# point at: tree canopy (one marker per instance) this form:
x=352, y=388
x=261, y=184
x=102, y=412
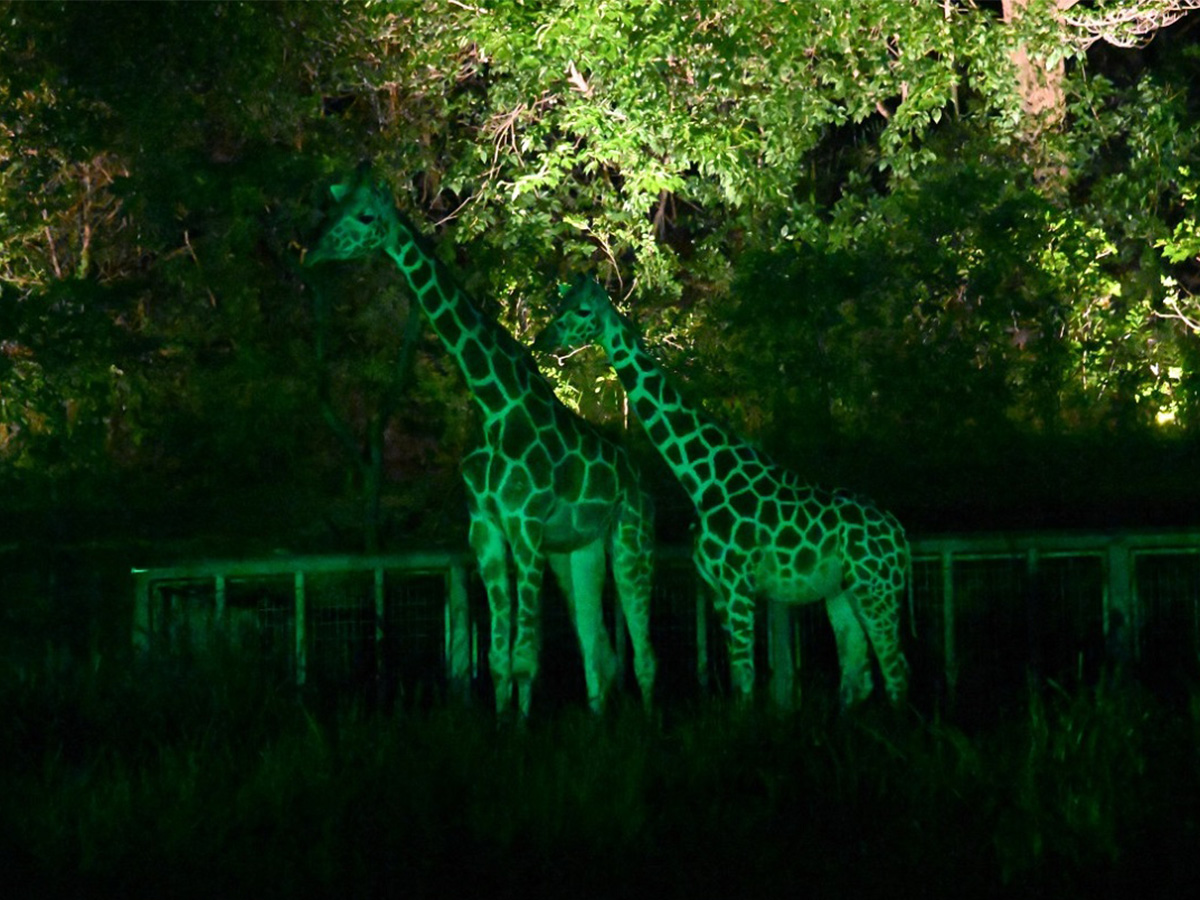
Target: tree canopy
x=926, y=249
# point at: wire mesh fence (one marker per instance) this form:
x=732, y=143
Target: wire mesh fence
x=983, y=615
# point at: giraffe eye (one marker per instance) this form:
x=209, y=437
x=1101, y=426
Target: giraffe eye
x=366, y=218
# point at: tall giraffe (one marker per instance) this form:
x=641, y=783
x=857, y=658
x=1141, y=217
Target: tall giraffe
x=544, y=486
x=761, y=531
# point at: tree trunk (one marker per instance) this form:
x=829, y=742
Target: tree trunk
x=1043, y=103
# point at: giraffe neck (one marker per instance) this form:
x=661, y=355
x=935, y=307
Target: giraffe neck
x=494, y=363
x=688, y=440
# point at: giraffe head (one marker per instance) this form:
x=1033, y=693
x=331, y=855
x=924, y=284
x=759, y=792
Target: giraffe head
x=582, y=313
x=362, y=221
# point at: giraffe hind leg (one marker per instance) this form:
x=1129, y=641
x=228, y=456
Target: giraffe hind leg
x=882, y=621
x=738, y=611
x=581, y=576
x=853, y=658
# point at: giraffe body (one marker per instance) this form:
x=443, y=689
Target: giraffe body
x=762, y=532
x=544, y=487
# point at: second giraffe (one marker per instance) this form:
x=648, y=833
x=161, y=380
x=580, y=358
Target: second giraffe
x=761, y=531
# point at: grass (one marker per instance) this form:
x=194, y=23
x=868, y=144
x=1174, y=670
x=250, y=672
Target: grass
x=182, y=778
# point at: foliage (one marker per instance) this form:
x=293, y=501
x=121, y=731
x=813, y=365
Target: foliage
x=828, y=213
x=154, y=780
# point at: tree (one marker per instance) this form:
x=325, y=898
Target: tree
x=145, y=258
x=870, y=175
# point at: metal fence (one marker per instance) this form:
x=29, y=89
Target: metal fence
x=986, y=612
x=375, y=623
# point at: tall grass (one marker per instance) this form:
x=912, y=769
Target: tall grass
x=201, y=777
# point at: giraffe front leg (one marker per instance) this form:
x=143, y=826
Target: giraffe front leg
x=734, y=606
x=632, y=557
x=529, y=562
x=857, y=683
x=491, y=553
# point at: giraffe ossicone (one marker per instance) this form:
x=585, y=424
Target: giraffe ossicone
x=544, y=487
x=761, y=531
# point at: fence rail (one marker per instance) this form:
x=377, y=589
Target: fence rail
x=984, y=609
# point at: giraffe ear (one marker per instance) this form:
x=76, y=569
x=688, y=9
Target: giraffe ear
x=339, y=191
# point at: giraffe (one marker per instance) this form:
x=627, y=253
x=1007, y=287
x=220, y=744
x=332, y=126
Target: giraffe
x=762, y=532
x=544, y=486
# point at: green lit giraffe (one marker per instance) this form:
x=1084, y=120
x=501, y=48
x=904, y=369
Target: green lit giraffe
x=761, y=531
x=544, y=486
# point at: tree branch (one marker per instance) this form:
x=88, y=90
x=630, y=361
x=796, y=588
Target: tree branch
x=1129, y=24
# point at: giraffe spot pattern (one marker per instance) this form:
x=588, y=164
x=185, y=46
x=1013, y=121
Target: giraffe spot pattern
x=693, y=447
x=552, y=440
x=446, y=323
x=744, y=504
x=570, y=474
x=679, y=421
x=737, y=483
x=658, y=431
x=651, y=380
x=724, y=464
x=850, y=513
x=422, y=274
x=601, y=481
x=490, y=394
x=768, y=512
x=644, y=408
x=719, y=521
x=475, y=362
x=537, y=459
x=789, y=537
x=828, y=545
x=518, y=434
x=410, y=258
x=674, y=454
x=745, y=533
x=712, y=496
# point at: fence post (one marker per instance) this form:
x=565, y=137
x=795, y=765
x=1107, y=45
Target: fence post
x=141, y=609
x=1121, y=613
x=1035, y=623
x=380, y=633
x=458, y=632
x=948, y=645
x=301, y=645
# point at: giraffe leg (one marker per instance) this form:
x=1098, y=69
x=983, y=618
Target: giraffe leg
x=881, y=617
x=739, y=614
x=529, y=561
x=581, y=575
x=733, y=603
x=492, y=555
x=852, y=649
x=632, y=546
